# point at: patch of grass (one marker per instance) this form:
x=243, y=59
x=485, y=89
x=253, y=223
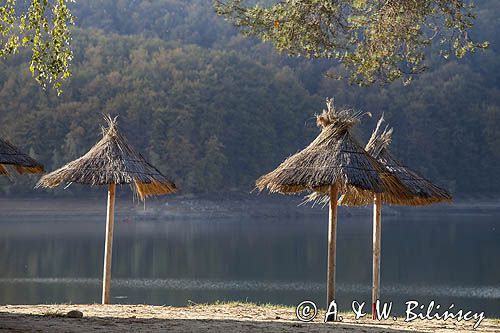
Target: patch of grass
x=54, y=314
x=240, y=303
x=261, y=305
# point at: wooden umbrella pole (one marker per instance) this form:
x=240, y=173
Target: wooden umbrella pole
x=377, y=209
x=108, y=249
x=332, y=244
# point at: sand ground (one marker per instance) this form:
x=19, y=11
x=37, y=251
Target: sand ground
x=204, y=318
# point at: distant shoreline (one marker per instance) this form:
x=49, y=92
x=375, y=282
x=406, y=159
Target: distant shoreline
x=220, y=206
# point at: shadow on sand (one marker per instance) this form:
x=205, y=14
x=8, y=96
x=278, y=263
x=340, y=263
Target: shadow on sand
x=11, y=322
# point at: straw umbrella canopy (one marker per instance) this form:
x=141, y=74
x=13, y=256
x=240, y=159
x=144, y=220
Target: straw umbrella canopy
x=333, y=163
x=21, y=162
x=111, y=161
x=423, y=192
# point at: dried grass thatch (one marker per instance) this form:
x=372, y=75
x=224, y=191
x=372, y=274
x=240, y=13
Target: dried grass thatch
x=112, y=160
x=423, y=192
x=334, y=158
x=10, y=156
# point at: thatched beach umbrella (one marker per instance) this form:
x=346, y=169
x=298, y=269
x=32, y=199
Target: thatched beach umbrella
x=333, y=163
x=111, y=161
x=422, y=193
x=12, y=156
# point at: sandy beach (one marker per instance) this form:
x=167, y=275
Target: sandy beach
x=203, y=318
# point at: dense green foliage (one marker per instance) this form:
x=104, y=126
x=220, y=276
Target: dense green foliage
x=376, y=41
x=206, y=118
x=42, y=26
x=214, y=110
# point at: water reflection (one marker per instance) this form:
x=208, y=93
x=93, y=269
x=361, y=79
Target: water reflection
x=450, y=258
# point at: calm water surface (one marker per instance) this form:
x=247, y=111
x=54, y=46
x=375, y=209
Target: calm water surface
x=446, y=257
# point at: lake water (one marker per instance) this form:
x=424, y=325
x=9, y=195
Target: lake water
x=52, y=257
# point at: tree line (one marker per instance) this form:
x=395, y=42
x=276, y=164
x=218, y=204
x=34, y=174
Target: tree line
x=213, y=110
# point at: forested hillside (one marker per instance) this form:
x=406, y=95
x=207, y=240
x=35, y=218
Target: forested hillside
x=214, y=110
